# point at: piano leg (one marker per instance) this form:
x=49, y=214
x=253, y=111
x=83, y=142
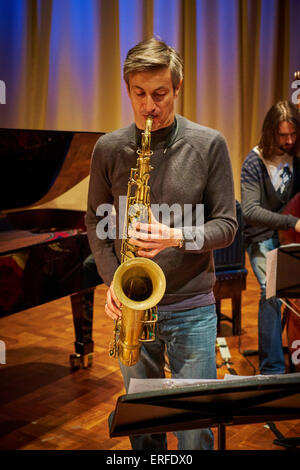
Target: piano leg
x=82, y=309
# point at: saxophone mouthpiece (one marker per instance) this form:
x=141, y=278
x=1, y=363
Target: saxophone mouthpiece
x=148, y=124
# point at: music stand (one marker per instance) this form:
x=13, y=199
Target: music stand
x=283, y=268
x=220, y=403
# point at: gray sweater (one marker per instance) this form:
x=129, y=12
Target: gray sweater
x=194, y=169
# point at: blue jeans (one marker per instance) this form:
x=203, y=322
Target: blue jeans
x=189, y=338
x=271, y=357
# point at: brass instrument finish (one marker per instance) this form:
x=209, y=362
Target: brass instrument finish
x=139, y=283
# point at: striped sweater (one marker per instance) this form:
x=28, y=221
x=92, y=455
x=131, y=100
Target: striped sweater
x=261, y=204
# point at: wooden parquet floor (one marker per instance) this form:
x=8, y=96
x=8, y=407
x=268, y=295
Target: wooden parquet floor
x=45, y=406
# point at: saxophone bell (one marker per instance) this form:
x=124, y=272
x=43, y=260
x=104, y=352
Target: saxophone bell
x=139, y=284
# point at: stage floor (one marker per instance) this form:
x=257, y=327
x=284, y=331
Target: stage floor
x=45, y=406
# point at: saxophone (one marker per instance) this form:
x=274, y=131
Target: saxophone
x=139, y=283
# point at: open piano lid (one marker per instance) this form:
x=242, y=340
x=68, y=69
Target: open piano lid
x=38, y=167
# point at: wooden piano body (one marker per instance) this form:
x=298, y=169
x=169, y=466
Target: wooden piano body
x=43, y=241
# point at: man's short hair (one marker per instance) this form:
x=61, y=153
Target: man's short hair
x=152, y=54
x=279, y=112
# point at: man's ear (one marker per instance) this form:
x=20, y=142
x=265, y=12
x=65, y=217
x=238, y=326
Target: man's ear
x=177, y=89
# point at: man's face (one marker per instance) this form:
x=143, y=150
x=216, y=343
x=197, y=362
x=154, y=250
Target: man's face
x=286, y=137
x=152, y=93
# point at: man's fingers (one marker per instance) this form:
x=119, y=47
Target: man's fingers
x=112, y=305
x=148, y=254
x=140, y=230
x=113, y=296
x=144, y=244
x=110, y=312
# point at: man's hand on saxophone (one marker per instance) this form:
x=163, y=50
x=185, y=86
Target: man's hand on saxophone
x=151, y=239
x=112, y=306
x=154, y=237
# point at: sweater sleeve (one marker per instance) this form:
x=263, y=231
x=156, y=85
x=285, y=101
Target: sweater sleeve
x=220, y=224
x=100, y=197
x=253, y=212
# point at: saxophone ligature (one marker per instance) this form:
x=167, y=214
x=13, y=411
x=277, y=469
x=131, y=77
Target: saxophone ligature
x=139, y=283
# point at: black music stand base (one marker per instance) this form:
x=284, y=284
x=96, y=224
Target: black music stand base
x=290, y=443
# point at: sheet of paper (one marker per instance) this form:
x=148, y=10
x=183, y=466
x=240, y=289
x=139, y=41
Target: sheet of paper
x=258, y=376
x=283, y=268
x=271, y=274
x=150, y=385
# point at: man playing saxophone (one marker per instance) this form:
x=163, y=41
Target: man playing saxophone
x=190, y=168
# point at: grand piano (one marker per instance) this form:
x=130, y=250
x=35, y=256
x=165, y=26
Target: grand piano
x=43, y=240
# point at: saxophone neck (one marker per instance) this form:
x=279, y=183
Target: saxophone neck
x=146, y=136
x=149, y=122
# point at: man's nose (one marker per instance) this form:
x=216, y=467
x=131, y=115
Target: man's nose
x=149, y=104
x=290, y=139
